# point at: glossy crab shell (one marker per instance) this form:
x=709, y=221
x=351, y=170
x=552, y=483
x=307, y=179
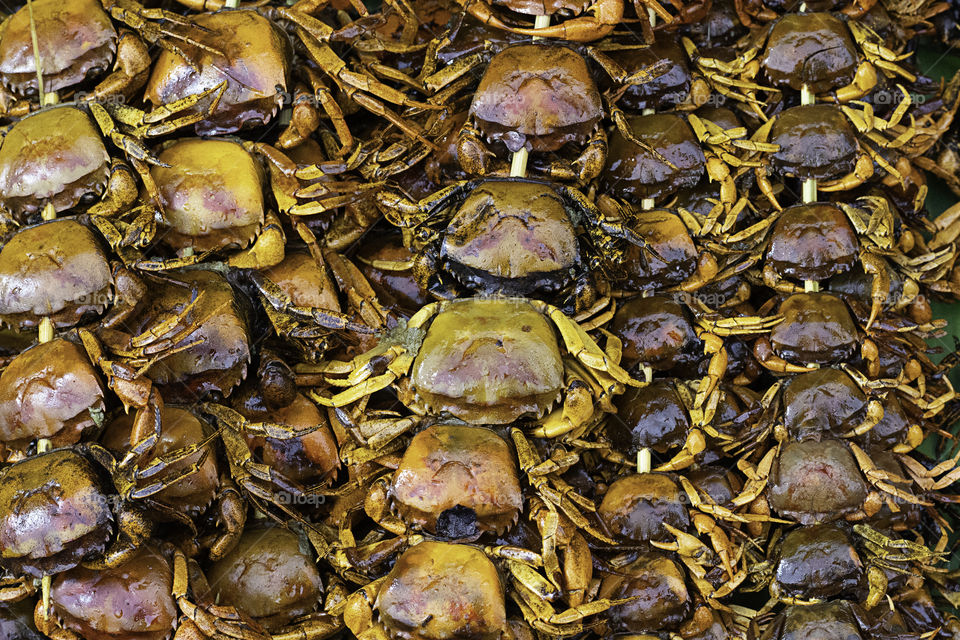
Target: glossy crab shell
x=256, y=61
x=511, y=236
x=446, y=466
x=538, y=97
x=268, y=576
x=53, y=513
x=56, y=270
x=814, y=482
x=74, y=40
x=818, y=561
x=49, y=391
x=489, y=361
x=660, y=597
x=634, y=173
x=212, y=194
x=443, y=591
x=653, y=416
x=813, y=49
x=54, y=156
x=635, y=507
x=816, y=141
x=130, y=602
x=812, y=242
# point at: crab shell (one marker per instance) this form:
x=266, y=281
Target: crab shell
x=538, y=97
x=634, y=173
x=817, y=328
x=653, y=417
x=656, y=331
x=212, y=194
x=488, y=361
x=443, y=591
x=255, y=65
x=179, y=428
x=669, y=88
x=267, y=576
x=813, y=49
x=446, y=466
x=52, y=513
x=511, y=237
x=312, y=458
x=54, y=156
x=56, y=270
x=217, y=364
x=816, y=141
x=660, y=599
x=395, y=289
x=75, y=40
x=665, y=232
x=825, y=401
x=815, y=482
x=49, y=391
x=812, y=242
x=130, y=602
x=818, y=562
x=636, y=507
x=819, y=621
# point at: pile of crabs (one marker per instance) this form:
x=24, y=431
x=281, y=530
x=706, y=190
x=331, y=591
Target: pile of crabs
x=477, y=319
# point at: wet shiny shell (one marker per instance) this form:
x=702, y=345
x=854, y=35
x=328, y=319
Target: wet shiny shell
x=817, y=328
x=55, y=155
x=656, y=331
x=396, y=289
x=255, y=63
x=130, y=602
x=446, y=466
x=816, y=141
x=269, y=576
x=634, y=173
x=513, y=237
x=212, y=194
x=52, y=513
x=74, y=40
x=180, y=428
x=312, y=458
x=306, y=284
x=812, y=242
x=537, y=96
x=56, y=270
x=822, y=403
x=636, y=507
x=49, y=391
x=813, y=49
x=649, y=417
x=219, y=362
x=667, y=235
x=818, y=562
x=815, y=482
x=661, y=600
x=443, y=591
x=489, y=362
x=669, y=88
x=827, y=621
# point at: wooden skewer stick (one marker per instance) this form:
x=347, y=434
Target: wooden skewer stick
x=518, y=163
